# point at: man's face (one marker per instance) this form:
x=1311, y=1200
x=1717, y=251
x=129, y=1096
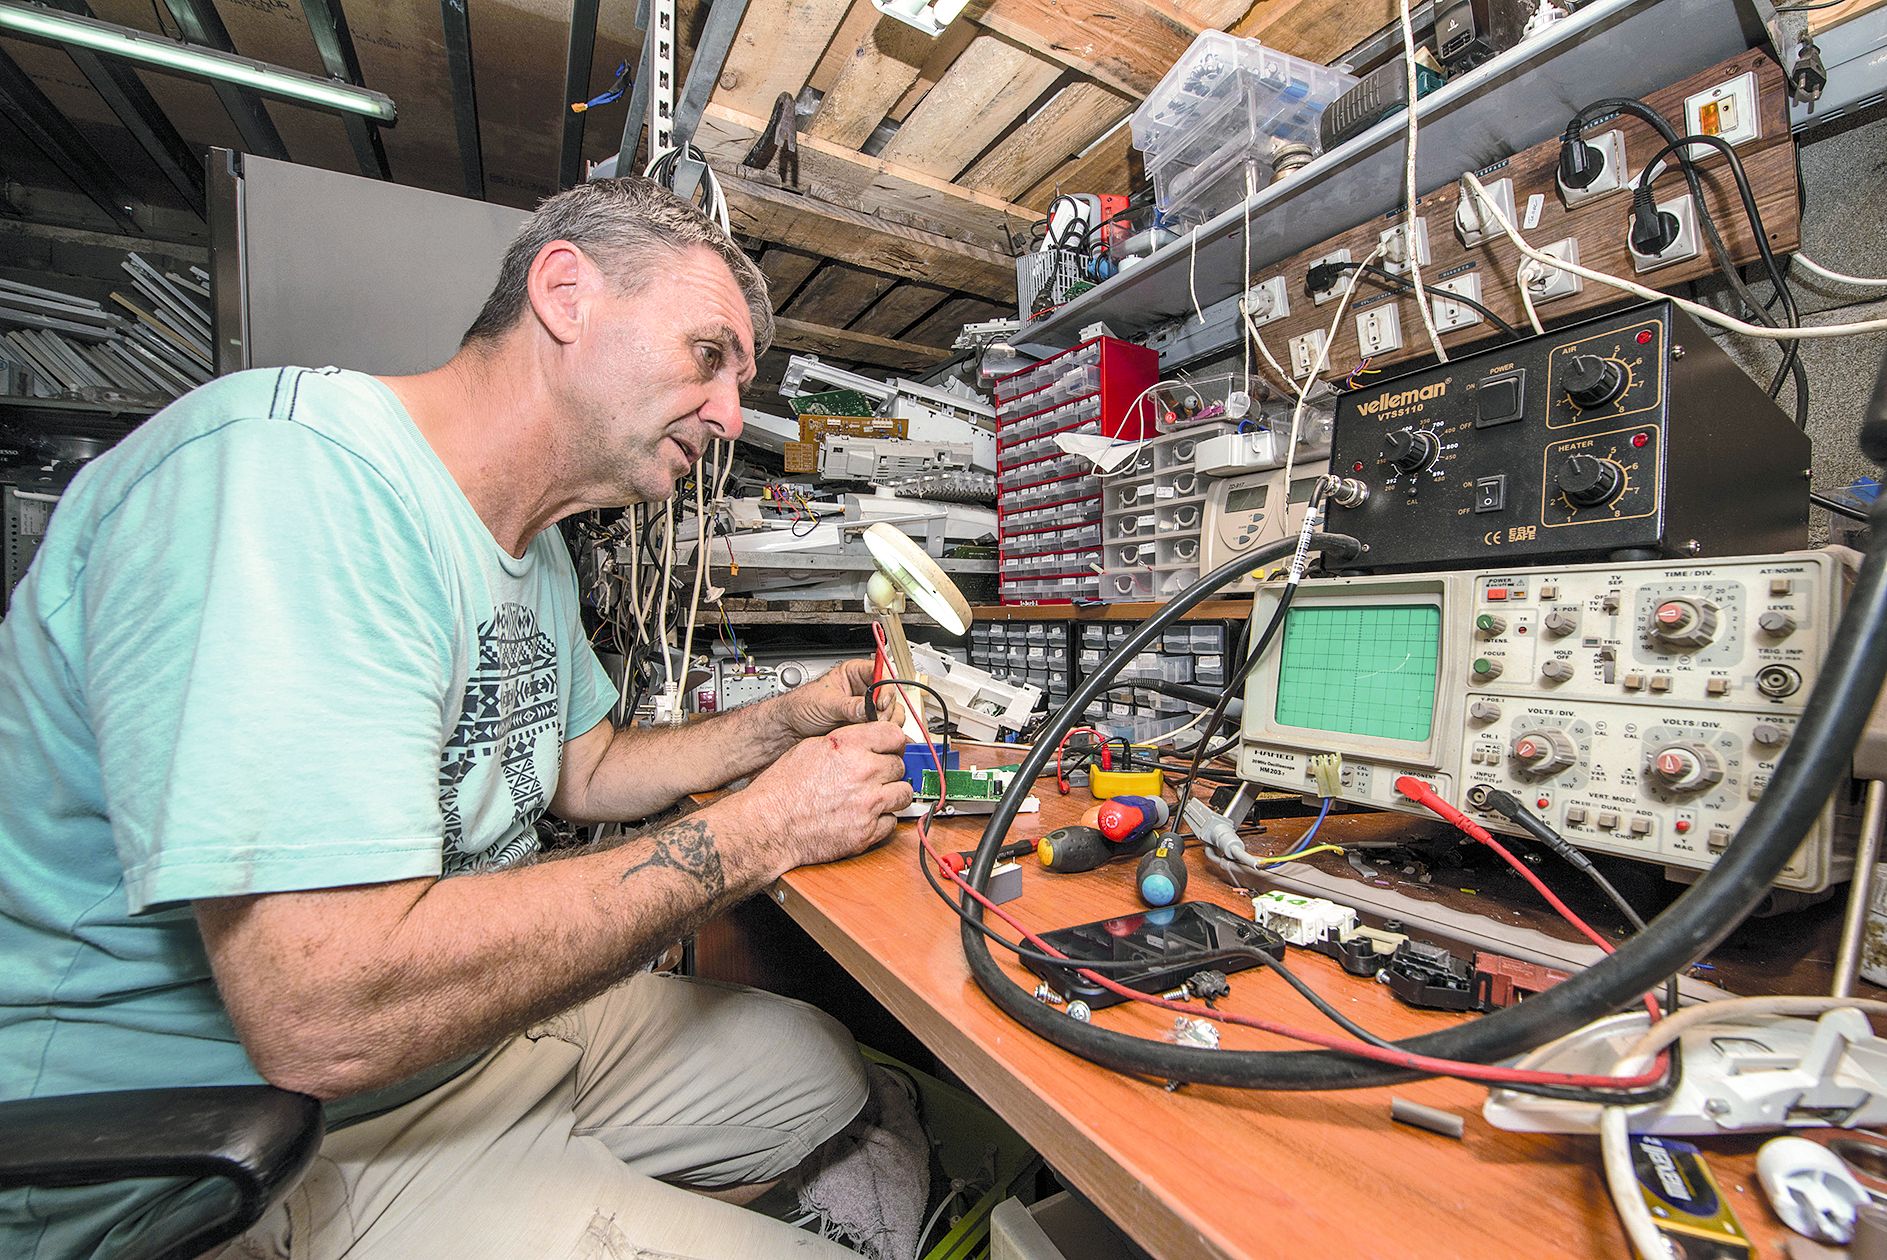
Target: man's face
x=656, y=375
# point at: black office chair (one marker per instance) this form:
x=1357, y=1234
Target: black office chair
x=251, y=1142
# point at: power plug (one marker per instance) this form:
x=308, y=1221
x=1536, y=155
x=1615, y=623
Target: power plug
x=1545, y=283
x=1662, y=233
x=1395, y=250
x=1474, y=221
x=1590, y=169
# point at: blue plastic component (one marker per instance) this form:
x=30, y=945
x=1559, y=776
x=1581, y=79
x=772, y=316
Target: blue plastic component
x=917, y=759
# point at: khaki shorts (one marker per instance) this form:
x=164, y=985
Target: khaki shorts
x=563, y=1142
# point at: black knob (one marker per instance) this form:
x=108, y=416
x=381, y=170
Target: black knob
x=1412, y=450
x=1591, y=381
x=1587, y=480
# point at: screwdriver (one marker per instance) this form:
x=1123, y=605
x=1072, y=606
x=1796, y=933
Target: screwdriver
x=1161, y=876
x=1073, y=849
x=1126, y=819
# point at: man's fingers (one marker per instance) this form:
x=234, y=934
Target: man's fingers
x=897, y=796
x=882, y=736
x=855, y=675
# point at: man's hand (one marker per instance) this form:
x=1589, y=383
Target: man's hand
x=830, y=796
x=836, y=698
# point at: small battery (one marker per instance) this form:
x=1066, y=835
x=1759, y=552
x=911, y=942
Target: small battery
x=1685, y=1201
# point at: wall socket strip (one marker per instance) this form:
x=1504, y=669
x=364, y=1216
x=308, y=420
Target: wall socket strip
x=1594, y=232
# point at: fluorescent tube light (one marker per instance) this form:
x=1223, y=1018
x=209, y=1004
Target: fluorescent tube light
x=55, y=27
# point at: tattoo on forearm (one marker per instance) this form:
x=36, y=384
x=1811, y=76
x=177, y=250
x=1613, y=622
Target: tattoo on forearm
x=687, y=846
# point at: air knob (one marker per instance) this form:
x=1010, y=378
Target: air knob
x=1588, y=481
x=1412, y=450
x=1684, y=623
x=1687, y=767
x=1591, y=381
x=1544, y=752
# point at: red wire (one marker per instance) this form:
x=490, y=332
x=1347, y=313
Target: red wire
x=1395, y=1058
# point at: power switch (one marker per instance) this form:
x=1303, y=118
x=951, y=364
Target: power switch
x=1500, y=399
x=1490, y=493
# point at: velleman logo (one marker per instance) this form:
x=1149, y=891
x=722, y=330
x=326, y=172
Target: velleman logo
x=1668, y=1175
x=1407, y=398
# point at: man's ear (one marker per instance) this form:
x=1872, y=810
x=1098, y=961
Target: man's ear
x=558, y=284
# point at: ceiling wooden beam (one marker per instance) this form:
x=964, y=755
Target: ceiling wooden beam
x=979, y=96
x=872, y=78
x=833, y=173
x=776, y=48
x=1127, y=44
x=769, y=213
x=854, y=347
x=1315, y=30
x=1050, y=139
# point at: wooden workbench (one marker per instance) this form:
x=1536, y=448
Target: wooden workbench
x=1212, y=1172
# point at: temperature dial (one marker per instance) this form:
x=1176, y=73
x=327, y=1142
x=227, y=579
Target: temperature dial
x=1593, y=382
x=1545, y=752
x=1684, y=623
x=1412, y=450
x=1588, y=481
x=1687, y=767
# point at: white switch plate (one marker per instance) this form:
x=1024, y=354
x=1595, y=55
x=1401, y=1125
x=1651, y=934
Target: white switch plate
x=1730, y=110
x=1268, y=300
x=1304, y=349
x=1379, y=330
x=1452, y=315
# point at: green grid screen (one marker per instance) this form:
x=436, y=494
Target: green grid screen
x=1360, y=670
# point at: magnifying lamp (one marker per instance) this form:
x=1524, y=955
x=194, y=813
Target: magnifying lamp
x=907, y=575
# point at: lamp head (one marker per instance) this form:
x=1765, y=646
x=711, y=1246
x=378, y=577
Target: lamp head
x=905, y=570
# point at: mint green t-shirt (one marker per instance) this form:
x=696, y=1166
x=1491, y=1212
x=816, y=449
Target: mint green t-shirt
x=267, y=645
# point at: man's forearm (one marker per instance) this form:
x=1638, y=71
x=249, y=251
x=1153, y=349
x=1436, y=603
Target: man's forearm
x=644, y=770
x=475, y=958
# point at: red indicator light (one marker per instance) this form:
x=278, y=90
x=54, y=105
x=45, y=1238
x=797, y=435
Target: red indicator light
x=1682, y=825
x=1357, y=466
x=1644, y=338
x=1543, y=803
x=1641, y=440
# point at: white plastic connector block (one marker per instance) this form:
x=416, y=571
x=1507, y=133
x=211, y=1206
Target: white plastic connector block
x=1304, y=349
x=1268, y=300
x=1612, y=175
x=1473, y=222
x=1451, y=315
x=1680, y=250
x=1395, y=256
x=1729, y=110
x=1379, y=330
x=1321, y=296
x=1545, y=284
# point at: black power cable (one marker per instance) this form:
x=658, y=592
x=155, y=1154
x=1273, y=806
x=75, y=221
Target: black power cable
x=1811, y=769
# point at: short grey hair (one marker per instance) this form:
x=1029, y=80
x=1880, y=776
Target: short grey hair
x=620, y=224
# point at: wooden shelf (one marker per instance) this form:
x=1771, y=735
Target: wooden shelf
x=1211, y=610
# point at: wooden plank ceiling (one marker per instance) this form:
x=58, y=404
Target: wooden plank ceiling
x=922, y=162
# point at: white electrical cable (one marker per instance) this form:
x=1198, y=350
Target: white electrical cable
x=701, y=569
x=1146, y=436
x=1696, y=309
x=1251, y=329
x=716, y=204
x=1410, y=246
x=1524, y=283
x=1614, y=1138
x=1816, y=269
x=1251, y=189
x=661, y=611
x=1316, y=367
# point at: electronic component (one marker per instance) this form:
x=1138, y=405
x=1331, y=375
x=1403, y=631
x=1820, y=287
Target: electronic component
x=1241, y=513
x=1430, y=977
x=1686, y=1204
x=1299, y=920
x=1638, y=709
x=1171, y=944
x=1362, y=951
x=1468, y=32
x=844, y=458
x=1500, y=981
x=963, y=786
x=1380, y=93
x=1629, y=436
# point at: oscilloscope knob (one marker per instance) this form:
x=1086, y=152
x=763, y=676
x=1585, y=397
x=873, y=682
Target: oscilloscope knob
x=1684, y=623
x=1544, y=752
x=1588, y=481
x=1412, y=450
x=1687, y=767
x=1592, y=382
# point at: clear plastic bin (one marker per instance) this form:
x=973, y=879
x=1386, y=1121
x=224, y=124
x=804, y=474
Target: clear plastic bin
x=1208, y=638
x=1177, y=642
x=1180, y=550
x=1179, y=517
x=1209, y=668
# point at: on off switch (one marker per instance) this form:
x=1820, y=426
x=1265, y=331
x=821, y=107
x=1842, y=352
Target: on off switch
x=1591, y=381
x=1588, y=481
x=1544, y=752
x=1412, y=450
x=1684, y=623
x=1687, y=767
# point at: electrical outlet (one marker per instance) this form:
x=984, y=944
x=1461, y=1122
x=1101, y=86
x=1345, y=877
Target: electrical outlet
x=1304, y=350
x=1394, y=256
x=1474, y=223
x=1545, y=284
x=1268, y=300
x=1320, y=296
x=1379, y=330
x=1684, y=247
x=1451, y=315
x=1728, y=111
x=1611, y=147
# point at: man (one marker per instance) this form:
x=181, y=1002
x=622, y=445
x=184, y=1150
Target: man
x=298, y=667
